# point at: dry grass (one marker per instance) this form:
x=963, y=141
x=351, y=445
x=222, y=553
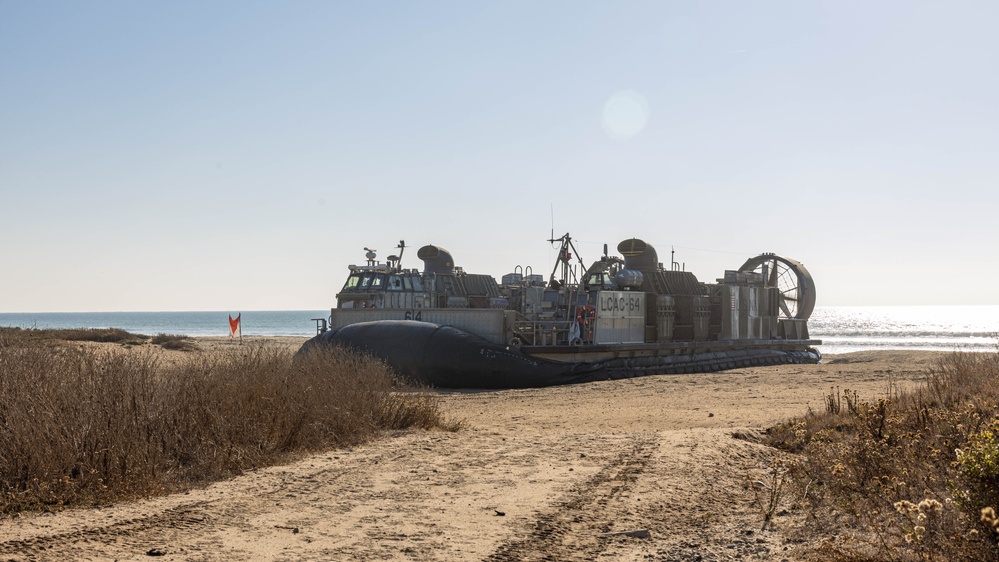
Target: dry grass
x=98, y=335
x=101, y=335
x=82, y=425
x=174, y=341
x=906, y=477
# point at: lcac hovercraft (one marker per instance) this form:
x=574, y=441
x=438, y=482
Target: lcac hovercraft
x=623, y=316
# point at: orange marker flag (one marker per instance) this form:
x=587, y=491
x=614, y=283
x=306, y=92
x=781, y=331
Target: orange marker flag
x=234, y=331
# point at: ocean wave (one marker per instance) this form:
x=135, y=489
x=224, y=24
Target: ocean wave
x=819, y=332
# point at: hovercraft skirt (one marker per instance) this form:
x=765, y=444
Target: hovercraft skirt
x=446, y=357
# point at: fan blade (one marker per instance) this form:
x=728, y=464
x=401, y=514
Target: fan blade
x=784, y=308
x=772, y=282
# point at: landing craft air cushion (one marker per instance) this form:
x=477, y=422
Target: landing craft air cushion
x=620, y=317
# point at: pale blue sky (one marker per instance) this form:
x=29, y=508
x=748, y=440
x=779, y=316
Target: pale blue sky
x=239, y=155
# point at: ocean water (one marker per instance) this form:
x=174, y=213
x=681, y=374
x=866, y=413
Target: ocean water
x=842, y=329
x=942, y=328
x=252, y=323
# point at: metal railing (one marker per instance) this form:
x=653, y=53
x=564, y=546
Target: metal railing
x=542, y=332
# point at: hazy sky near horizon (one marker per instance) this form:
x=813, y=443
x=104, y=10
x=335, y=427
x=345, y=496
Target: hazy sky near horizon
x=239, y=155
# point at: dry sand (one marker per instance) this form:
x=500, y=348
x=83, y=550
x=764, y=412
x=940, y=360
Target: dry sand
x=535, y=474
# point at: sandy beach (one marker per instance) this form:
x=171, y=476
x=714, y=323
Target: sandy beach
x=542, y=474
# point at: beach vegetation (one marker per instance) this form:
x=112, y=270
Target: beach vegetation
x=908, y=475
x=99, y=335
x=91, y=425
x=174, y=341
x=770, y=494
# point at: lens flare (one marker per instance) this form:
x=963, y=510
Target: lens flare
x=625, y=114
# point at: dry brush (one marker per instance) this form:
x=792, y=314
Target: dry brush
x=91, y=425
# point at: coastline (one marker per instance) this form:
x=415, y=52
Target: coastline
x=842, y=329
x=562, y=464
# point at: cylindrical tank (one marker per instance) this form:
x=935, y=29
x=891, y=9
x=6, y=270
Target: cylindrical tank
x=702, y=317
x=665, y=317
x=629, y=279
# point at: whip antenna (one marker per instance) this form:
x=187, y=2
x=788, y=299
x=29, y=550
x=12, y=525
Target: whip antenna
x=552, y=237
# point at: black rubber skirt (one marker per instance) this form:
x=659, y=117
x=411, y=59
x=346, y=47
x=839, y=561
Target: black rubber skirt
x=446, y=357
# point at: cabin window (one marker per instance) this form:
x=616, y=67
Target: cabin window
x=352, y=282
x=373, y=281
x=394, y=283
x=600, y=280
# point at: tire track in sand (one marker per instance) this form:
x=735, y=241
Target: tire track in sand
x=187, y=516
x=571, y=529
x=187, y=528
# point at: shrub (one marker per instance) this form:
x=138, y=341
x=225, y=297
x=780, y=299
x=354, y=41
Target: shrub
x=172, y=341
x=980, y=457
x=101, y=335
x=911, y=471
x=92, y=426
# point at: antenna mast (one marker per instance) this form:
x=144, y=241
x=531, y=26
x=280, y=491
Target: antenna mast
x=565, y=256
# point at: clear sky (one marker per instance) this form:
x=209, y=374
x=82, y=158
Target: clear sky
x=239, y=155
